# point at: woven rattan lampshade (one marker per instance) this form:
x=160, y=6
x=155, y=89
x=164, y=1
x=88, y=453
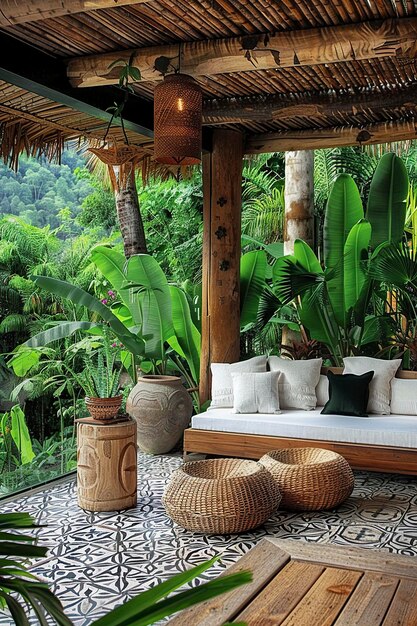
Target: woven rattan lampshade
x=177, y=121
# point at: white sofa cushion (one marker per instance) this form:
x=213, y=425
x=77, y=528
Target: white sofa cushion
x=399, y=431
x=255, y=392
x=221, y=382
x=404, y=396
x=322, y=390
x=298, y=382
x=380, y=385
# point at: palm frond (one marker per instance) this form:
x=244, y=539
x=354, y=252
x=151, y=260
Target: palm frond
x=13, y=323
x=394, y=266
x=292, y=280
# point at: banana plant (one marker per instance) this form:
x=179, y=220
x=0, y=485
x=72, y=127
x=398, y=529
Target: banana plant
x=387, y=202
x=15, y=435
x=147, y=317
x=335, y=300
x=253, y=266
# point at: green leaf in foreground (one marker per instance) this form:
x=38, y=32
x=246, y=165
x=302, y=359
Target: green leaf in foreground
x=153, y=605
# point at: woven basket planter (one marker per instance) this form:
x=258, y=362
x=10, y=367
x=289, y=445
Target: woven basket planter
x=221, y=496
x=309, y=479
x=103, y=409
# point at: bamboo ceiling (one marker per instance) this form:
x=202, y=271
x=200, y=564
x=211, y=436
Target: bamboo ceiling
x=365, y=93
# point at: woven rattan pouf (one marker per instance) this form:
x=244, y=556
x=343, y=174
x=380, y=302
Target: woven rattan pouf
x=221, y=496
x=309, y=479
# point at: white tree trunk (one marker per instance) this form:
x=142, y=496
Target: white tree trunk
x=299, y=198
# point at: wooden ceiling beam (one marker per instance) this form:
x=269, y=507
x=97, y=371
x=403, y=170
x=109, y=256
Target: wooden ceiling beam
x=331, y=137
x=24, y=11
x=279, y=107
x=315, y=46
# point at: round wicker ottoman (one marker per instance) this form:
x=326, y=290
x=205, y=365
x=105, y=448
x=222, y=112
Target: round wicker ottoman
x=309, y=479
x=221, y=496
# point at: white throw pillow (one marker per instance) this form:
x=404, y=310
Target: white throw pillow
x=404, y=396
x=380, y=385
x=221, y=381
x=322, y=391
x=298, y=382
x=255, y=393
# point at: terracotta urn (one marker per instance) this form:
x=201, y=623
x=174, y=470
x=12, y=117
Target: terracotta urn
x=162, y=408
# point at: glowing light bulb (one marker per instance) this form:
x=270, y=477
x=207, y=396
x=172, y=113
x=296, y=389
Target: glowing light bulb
x=180, y=104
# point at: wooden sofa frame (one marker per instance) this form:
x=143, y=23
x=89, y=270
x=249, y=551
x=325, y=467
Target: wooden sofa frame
x=366, y=457
x=360, y=456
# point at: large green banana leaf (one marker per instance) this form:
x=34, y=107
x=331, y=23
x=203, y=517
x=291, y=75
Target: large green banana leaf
x=81, y=298
x=376, y=328
x=20, y=434
x=57, y=332
x=252, y=284
x=387, y=200
x=343, y=211
x=112, y=265
x=145, y=275
x=306, y=257
x=23, y=360
x=316, y=315
x=187, y=339
x=355, y=254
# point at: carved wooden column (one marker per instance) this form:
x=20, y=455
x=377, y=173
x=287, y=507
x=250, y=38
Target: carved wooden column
x=299, y=198
x=107, y=465
x=222, y=185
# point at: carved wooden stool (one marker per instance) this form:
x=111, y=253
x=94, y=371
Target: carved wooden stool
x=107, y=465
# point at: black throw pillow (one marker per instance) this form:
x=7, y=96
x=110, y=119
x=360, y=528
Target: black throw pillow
x=348, y=394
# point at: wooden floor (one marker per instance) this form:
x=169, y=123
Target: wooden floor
x=299, y=584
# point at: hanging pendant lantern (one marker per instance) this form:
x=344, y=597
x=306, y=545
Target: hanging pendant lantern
x=178, y=103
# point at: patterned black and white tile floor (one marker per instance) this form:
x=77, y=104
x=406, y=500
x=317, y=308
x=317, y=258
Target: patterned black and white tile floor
x=99, y=560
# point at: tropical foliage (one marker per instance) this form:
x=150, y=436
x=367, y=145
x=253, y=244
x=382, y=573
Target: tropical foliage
x=346, y=302
x=65, y=284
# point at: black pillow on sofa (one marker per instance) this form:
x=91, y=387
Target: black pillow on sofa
x=348, y=394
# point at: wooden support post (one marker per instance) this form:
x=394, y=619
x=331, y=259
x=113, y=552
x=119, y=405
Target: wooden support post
x=222, y=185
x=299, y=198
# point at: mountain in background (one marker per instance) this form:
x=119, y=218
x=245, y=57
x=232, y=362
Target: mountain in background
x=44, y=193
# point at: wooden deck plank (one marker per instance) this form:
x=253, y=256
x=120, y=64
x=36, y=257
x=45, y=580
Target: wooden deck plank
x=264, y=561
x=350, y=558
x=325, y=599
x=370, y=601
x=403, y=609
x=302, y=584
x=281, y=595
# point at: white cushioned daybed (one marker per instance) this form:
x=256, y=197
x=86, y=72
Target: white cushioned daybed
x=378, y=442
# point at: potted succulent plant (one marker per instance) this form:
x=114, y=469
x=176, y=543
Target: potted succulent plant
x=100, y=381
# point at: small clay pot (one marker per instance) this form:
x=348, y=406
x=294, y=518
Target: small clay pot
x=103, y=409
